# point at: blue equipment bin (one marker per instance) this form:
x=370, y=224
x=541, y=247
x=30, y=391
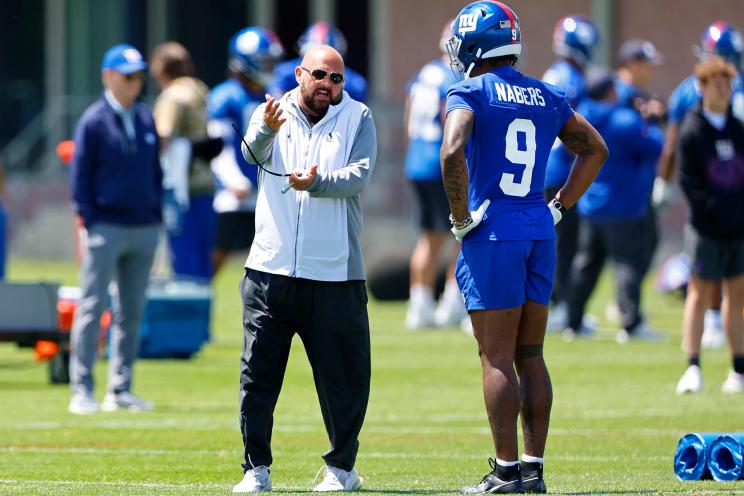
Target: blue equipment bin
x=175, y=322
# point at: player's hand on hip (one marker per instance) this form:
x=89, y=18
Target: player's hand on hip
x=301, y=180
x=273, y=114
x=476, y=216
x=661, y=195
x=555, y=212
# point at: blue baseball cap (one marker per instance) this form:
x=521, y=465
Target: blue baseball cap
x=124, y=59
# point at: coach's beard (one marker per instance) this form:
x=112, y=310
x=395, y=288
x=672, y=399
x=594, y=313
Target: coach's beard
x=320, y=108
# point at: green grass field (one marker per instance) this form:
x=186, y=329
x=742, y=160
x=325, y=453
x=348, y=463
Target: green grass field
x=615, y=425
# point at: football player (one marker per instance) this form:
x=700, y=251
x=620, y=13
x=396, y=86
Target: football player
x=499, y=130
x=424, y=118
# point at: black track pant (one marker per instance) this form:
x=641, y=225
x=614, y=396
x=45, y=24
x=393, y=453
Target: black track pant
x=331, y=319
x=624, y=243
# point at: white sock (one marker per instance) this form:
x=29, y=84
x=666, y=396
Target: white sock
x=451, y=290
x=502, y=463
x=532, y=459
x=421, y=295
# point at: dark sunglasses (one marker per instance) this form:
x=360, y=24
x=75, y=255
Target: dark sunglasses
x=135, y=76
x=319, y=75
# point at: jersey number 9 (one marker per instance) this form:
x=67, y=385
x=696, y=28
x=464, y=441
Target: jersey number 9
x=521, y=157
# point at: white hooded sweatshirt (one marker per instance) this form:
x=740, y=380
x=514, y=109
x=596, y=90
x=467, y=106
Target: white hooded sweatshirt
x=312, y=234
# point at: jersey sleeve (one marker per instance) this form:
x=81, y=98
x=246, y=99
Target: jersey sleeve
x=679, y=103
x=461, y=96
x=565, y=111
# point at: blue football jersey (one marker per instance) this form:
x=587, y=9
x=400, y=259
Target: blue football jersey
x=687, y=94
x=229, y=101
x=571, y=80
x=427, y=93
x=517, y=119
x=568, y=78
x=284, y=80
x=627, y=93
x=684, y=97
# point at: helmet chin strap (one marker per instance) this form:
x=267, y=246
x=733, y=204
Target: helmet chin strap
x=472, y=65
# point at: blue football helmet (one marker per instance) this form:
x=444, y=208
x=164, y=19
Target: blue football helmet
x=321, y=33
x=253, y=51
x=483, y=30
x=575, y=37
x=721, y=39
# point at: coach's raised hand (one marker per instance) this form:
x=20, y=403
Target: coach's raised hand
x=273, y=114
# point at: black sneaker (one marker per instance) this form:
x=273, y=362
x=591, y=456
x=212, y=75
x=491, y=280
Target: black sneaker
x=500, y=480
x=532, y=477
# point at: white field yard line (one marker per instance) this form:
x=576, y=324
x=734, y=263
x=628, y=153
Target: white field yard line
x=137, y=484
x=310, y=421
x=158, y=424
x=237, y=452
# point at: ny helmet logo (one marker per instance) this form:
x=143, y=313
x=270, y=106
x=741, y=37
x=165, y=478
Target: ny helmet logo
x=467, y=23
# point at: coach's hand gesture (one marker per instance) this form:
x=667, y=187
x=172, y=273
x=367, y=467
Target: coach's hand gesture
x=273, y=114
x=301, y=180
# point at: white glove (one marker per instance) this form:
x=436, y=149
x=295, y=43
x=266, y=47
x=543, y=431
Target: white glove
x=555, y=210
x=477, y=217
x=661, y=194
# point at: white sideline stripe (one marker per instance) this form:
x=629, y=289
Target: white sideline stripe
x=362, y=455
x=149, y=485
x=115, y=451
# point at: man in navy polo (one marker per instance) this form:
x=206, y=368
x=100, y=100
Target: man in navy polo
x=116, y=184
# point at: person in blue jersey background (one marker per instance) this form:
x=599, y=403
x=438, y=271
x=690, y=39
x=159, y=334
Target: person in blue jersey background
x=638, y=60
x=499, y=130
x=424, y=118
x=318, y=33
x=574, y=39
x=722, y=39
x=252, y=54
x=615, y=207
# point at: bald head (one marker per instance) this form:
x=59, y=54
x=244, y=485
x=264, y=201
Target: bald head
x=323, y=55
x=321, y=80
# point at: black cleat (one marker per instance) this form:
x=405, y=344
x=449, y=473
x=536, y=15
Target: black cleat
x=532, y=478
x=500, y=480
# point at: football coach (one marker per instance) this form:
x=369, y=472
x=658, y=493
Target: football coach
x=304, y=272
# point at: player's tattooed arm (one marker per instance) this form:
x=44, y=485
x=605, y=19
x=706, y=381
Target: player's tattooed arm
x=591, y=152
x=457, y=130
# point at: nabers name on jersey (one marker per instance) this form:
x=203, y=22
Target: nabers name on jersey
x=517, y=94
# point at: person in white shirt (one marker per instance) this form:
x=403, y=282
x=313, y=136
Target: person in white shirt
x=305, y=272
